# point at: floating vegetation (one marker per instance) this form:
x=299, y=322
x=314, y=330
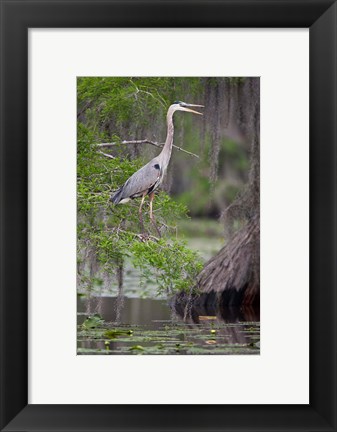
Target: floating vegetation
x=93, y=321
x=114, y=333
x=175, y=338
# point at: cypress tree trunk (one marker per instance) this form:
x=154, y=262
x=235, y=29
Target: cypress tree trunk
x=233, y=274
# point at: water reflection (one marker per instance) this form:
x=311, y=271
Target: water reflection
x=190, y=309
x=127, y=311
x=138, y=311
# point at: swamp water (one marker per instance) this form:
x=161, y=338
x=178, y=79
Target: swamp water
x=127, y=324
x=147, y=326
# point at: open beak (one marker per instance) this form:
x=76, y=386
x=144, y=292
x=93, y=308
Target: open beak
x=192, y=111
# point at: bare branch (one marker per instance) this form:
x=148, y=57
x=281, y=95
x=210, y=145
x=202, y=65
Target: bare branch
x=160, y=145
x=106, y=154
x=112, y=144
x=186, y=151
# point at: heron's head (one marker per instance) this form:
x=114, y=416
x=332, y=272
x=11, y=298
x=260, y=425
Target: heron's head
x=183, y=106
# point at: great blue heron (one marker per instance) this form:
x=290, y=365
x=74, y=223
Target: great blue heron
x=148, y=178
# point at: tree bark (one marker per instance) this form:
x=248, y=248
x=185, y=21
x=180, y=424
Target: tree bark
x=230, y=278
x=233, y=274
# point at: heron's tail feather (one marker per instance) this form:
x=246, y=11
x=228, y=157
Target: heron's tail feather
x=117, y=196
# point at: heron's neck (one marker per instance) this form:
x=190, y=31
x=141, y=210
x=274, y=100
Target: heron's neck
x=165, y=154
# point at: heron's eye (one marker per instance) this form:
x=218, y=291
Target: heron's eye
x=156, y=166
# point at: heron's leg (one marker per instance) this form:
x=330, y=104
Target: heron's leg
x=140, y=212
x=151, y=196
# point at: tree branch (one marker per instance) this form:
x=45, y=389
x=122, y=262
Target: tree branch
x=141, y=237
x=106, y=154
x=160, y=145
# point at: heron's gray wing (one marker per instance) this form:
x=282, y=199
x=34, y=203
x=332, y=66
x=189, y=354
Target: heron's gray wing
x=142, y=180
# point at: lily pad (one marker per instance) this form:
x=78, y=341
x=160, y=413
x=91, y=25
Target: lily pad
x=93, y=321
x=137, y=348
x=114, y=333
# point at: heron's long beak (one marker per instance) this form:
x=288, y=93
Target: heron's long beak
x=192, y=111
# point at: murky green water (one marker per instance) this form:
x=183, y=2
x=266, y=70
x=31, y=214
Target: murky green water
x=146, y=326
x=137, y=323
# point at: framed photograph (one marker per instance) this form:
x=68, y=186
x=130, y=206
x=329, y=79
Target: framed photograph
x=110, y=308
x=152, y=277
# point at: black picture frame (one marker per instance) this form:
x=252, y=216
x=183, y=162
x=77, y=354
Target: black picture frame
x=16, y=18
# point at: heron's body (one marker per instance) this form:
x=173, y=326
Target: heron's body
x=148, y=178
x=145, y=180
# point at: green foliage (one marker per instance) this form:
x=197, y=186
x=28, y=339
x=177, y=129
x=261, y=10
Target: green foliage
x=169, y=263
x=121, y=99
